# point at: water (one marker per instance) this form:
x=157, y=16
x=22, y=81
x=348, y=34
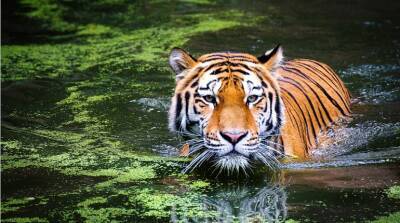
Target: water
x=86, y=91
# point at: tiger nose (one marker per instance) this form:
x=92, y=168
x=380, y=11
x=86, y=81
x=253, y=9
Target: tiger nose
x=233, y=137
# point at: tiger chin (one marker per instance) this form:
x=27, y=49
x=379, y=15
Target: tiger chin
x=240, y=110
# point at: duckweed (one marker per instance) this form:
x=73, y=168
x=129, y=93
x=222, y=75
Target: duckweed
x=80, y=65
x=393, y=192
x=24, y=220
x=392, y=218
x=14, y=204
x=100, y=63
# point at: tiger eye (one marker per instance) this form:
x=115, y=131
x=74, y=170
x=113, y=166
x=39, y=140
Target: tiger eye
x=209, y=98
x=252, y=98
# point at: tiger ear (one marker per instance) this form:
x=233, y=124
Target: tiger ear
x=272, y=58
x=180, y=60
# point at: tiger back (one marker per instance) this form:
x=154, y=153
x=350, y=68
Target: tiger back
x=314, y=99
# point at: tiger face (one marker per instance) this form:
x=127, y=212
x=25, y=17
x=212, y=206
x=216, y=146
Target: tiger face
x=230, y=102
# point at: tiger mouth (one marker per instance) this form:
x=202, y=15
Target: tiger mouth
x=235, y=153
x=232, y=161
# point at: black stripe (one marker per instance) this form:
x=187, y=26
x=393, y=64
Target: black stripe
x=217, y=71
x=178, y=110
x=270, y=126
x=240, y=71
x=208, y=85
x=332, y=100
x=212, y=66
x=195, y=109
x=311, y=104
x=278, y=110
x=293, y=117
x=213, y=58
x=319, y=100
x=270, y=104
x=240, y=65
x=187, y=97
x=304, y=117
x=242, y=59
x=320, y=65
x=333, y=81
x=340, y=81
x=335, y=76
x=265, y=85
x=222, y=54
x=199, y=101
x=311, y=69
x=194, y=84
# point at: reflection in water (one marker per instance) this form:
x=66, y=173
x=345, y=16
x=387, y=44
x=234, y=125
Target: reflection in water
x=242, y=204
x=266, y=200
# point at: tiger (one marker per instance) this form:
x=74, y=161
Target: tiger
x=239, y=109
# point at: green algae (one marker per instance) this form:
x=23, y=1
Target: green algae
x=199, y=184
x=15, y=204
x=49, y=13
x=393, y=192
x=159, y=204
x=109, y=56
x=24, y=220
x=138, y=173
x=95, y=214
x=101, y=63
x=392, y=218
x=155, y=204
x=10, y=145
x=291, y=221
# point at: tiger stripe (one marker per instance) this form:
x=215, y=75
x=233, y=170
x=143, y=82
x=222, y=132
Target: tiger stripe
x=320, y=97
x=295, y=101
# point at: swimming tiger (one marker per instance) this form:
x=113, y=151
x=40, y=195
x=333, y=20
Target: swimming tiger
x=244, y=109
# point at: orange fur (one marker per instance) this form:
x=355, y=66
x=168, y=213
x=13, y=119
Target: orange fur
x=313, y=96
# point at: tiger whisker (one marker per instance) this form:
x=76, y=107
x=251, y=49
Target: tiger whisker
x=197, y=161
x=272, y=156
x=187, y=134
x=196, y=149
x=274, y=143
x=206, y=157
x=268, y=159
x=191, y=142
x=272, y=149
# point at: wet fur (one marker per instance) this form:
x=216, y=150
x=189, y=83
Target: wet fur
x=297, y=100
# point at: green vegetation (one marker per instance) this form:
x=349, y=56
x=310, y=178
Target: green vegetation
x=13, y=205
x=291, y=221
x=392, y=218
x=66, y=90
x=394, y=192
x=25, y=220
x=76, y=145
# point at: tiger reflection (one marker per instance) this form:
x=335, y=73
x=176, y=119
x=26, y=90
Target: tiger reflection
x=240, y=204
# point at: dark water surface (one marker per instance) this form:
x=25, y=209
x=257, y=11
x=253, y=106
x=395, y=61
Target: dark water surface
x=85, y=94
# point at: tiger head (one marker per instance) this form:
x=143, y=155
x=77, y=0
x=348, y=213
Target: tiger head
x=231, y=102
